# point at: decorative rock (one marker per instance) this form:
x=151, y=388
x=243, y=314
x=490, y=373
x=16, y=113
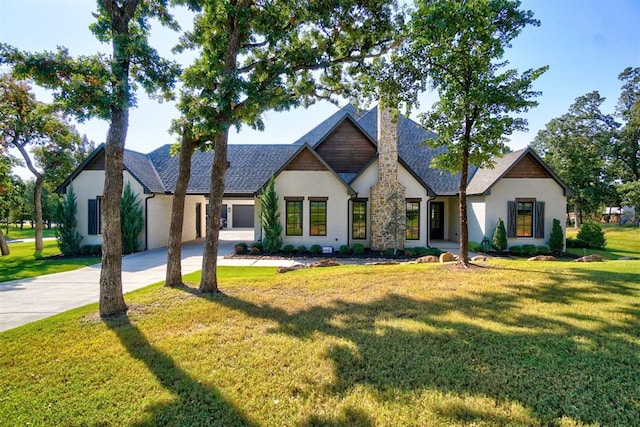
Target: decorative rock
x=447, y=257
x=542, y=258
x=325, y=263
x=427, y=258
x=627, y=258
x=480, y=258
x=590, y=258
x=383, y=263
x=292, y=268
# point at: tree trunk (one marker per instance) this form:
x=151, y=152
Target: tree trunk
x=576, y=213
x=4, y=248
x=463, y=257
x=111, y=299
x=37, y=203
x=174, y=248
x=209, y=282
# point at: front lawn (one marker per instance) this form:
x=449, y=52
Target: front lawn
x=621, y=242
x=513, y=343
x=26, y=232
x=23, y=262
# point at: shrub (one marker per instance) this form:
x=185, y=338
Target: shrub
x=257, y=244
x=390, y=251
x=270, y=218
x=67, y=232
x=528, y=250
x=255, y=250
x=515, y=250
x=345, y=250
x=288, y=249
x=499, y=241
x=556, y=239
x=132, y=220
x=410, y=252
x=358, y=248
x=85, y=250
x=592, y=233
x=302, y=249
x=315, y=249
x=576, y=243
x=96, y=250
x=543, y=250
x=476, y=247
x=422, y=251
x=240, y=248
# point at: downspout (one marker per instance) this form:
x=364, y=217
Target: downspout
x=428, y=220
x=146, y=222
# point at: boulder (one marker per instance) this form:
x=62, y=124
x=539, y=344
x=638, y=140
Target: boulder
x=590, y=258
x=447, y=257
x=325, y=263
x=427, y=258
x=542, y=258
x=480, y=258
x=292, y=268
x=627, y=258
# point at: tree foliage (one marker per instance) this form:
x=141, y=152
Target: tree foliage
x=270, y=218
x=67, y=234
x=132, y=219
x=556, y=239
x=457, y=48
x=262, y=56
x=499, y=240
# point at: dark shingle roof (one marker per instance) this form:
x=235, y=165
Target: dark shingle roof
x=140, y=166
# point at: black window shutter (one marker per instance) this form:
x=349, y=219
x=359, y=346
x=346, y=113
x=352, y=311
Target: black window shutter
x=539, y=221
x=512, y=218
x=93, y=216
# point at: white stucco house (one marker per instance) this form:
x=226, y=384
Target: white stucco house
x=339, y=184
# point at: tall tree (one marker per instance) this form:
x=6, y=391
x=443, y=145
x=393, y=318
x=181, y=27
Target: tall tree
x=626, y=150
x=576, y=145
x=27, y=123
x=260, y=56
x=457, y=46
x=104, y=87
x=8, y=192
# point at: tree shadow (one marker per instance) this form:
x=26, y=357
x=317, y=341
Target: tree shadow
x=553, y=365
x=195, y=404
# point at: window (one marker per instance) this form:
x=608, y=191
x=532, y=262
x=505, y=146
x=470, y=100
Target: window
x=359, y=219
x=294, y=216
x=412, y=232
x=525, y=218
x=317, y=216
x=95, y=216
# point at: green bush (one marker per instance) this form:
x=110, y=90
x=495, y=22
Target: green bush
x=358, y=248
x=270, y=218
x=592, y=233
x=255, y=250
x=476, y=247
x=389, y=251
x=96, y=250
x=499, y=241
x=257, y=244
x=344, y=250
x=516, y=250
x=240, y=248
x=543, y=250
x=556, y=239
x=288, y=249
x=315, y=249
x=528, y=250
x=302, y=249
x=67, y=232
x=576, y=243
x=132, y=220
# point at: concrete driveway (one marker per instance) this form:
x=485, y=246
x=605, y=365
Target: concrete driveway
x=24, y=301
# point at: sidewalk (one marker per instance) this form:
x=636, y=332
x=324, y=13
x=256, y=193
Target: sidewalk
x=27, y=300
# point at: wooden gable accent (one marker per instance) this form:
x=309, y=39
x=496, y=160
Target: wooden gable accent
x=306, y=161
x=346, y=149
x=97, y=164
x=528, y=167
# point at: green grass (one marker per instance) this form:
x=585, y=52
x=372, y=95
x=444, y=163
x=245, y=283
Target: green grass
x=621, y=242
x=26, y=232
x=513, y=343
x=23, y=262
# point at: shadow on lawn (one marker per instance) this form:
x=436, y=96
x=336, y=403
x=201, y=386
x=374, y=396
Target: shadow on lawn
x=549, y=363
x=194, y=404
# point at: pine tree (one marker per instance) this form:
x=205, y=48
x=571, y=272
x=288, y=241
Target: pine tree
x=67, y=232
x=270, y=219
x=556, y=239
x=499, y=241
x=132, y=220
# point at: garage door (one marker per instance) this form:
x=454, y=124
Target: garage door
x=242, y=216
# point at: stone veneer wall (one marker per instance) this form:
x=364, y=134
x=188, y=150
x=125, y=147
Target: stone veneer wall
x=387, y=195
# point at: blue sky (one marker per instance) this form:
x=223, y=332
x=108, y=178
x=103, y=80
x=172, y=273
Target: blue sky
x=586, y=44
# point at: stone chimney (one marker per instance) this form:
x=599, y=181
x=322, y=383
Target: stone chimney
x=388, y=207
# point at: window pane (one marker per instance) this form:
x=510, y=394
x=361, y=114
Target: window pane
x=318, y=218
x=294, y=218
x=359, y=220
x=413, y=221
x=525, y=219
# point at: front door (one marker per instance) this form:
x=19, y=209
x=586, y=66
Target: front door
x=437, y=220
x=198, y=220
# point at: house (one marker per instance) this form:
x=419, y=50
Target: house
x=357, y=177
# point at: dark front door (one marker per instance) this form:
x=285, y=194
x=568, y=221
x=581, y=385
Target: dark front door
x=198, y=220
x=437, y=220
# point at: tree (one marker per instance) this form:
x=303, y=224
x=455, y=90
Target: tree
x=576, y=145
x=131, y=217
x=104, y=87
x=556, y=239
x=499, y=241
x=256, y=57
x=270, y=218
x=28, y=123
x=457, y=48
x=67, y=234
